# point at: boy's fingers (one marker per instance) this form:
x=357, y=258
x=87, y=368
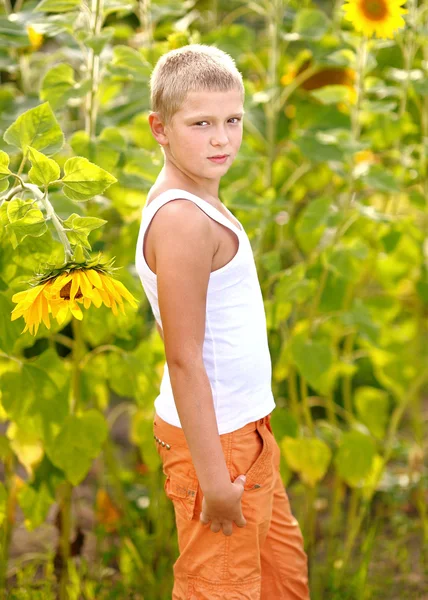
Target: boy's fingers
x=204, y=519
x=215, y=526
x=241, y=522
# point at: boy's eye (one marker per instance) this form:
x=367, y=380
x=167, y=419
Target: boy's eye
x=231, y=119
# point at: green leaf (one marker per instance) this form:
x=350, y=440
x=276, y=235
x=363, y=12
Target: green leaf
x=311, y=24
x=17, y=209
x=57, y=6
x=345, y=262
x=355, y=457
x=342, y=58
x=44, y=170
x=314, y=359
x=4, y=165
x=123, y=378
x=35, y=504
x=359, y=316
x=141, y=433
x=312, y=221
x=98, y=42
x=381, y=179
x=293, y=286
x=332, y=94
x=31, y=396
x=9, y=330
x=57, y=84
x=38, y=128
x=373, y=409
x=316, y=150
x=24, y=219
x=104, y=151
x=310, y=457
x=78, y=443
x=80, y=228
x=128, y=64
x=83, y=179
x=26, y=445
x=13, y=34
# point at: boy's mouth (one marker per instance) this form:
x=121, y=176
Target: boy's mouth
x=220, y=158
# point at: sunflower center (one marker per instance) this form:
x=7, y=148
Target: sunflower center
x=65, y=292
x=375, y=10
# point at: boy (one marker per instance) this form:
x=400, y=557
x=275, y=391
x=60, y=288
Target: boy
x=237, y=537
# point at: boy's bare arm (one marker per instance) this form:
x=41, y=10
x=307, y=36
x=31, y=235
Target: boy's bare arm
x=184, y=248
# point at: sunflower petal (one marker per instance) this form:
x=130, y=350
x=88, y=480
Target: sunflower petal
x=85, y=284
x=62, y=313
x=75, y=310
x=96, y=297
x=60, y=282
x=30, y=295
x=109, y=287
x=16, y=313
x=114, y=307
x=75, y=281
x=19, y=296
x=45, y=312
x=125, y=293
x=94, y=278
x=105, y=297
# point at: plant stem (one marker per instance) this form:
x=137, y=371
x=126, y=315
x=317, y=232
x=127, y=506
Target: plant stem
x=78, y=351
x=50, y=214
x=6, y=529
x=64, y=542
x=292, y=390
x=91, y=106
x=305, y=405
x=335, y=515
x=144, y=14
x=272, y=86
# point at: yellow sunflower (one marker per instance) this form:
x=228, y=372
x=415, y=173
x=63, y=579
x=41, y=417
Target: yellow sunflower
x=380, y=17
x=60, y=294
x=36, y=39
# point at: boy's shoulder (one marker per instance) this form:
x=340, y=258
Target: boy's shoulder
x=160, y=188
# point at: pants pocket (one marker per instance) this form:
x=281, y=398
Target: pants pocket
x=203, y=589
x=261, y=469
x=182, y=493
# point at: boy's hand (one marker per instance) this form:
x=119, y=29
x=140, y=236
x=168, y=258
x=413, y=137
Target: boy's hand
x=224, y=508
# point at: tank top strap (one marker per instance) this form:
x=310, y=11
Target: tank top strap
x=176, y=194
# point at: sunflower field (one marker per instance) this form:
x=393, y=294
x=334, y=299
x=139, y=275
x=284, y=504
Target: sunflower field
x=331, y=185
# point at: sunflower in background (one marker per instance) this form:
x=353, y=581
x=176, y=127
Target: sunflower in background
x=380, y=17
x=36, y=39
x=58, y=291
x=324, y=76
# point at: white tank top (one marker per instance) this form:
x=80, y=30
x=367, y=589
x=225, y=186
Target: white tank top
x=235, y=350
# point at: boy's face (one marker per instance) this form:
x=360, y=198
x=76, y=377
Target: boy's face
x=207, y=125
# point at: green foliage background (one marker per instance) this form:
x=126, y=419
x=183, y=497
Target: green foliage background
x=331, y=185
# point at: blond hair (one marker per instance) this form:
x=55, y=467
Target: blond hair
x=191, y=68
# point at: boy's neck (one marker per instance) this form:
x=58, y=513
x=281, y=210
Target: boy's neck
x=171, y=177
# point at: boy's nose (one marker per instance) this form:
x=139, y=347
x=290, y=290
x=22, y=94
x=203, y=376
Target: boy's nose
x=220, y=139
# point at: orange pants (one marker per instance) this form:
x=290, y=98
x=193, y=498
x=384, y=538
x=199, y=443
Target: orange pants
x=265, y=560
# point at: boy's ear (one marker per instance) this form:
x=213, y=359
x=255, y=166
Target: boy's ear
x=158, y=129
